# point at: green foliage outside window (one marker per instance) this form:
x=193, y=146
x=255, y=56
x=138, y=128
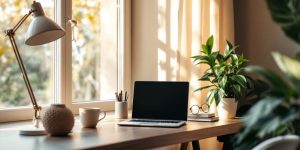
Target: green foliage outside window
x=38, y=59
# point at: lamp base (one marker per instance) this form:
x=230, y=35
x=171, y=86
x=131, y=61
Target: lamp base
x=32, y=131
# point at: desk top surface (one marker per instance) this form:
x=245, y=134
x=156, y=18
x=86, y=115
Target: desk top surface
x=108, y=135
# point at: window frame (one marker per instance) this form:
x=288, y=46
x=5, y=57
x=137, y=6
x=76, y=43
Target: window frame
x=62, y=64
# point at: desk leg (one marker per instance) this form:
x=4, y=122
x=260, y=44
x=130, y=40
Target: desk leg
x=196, y=145
x=184, y=146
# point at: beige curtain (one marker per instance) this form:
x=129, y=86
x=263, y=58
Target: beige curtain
x=197, y=20
x=166, y=33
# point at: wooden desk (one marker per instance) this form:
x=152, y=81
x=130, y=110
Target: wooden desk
x=108, y=135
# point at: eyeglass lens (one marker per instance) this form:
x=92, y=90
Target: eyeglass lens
x=195, y=109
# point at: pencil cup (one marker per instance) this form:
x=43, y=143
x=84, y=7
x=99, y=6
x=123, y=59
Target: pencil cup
x=121, y=111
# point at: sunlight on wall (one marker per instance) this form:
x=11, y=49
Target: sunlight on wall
x=179, y=32
x=174, y=65
x=214, y=22
x=173, y=34
x=179, y=38
x=167, y=33
x=162, y=57
x=196, y=45
x=161, y=17
x=162, y=37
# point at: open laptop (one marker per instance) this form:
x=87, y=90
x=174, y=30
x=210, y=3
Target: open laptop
x=159, y=104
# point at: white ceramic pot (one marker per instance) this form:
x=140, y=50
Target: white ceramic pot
x=227, y=108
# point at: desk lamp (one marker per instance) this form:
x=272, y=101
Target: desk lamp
x=41, y=30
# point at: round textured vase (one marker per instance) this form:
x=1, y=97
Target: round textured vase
x=227, y=108
x=58, y=120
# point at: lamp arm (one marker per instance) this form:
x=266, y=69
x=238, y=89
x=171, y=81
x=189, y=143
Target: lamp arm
x=21, y=21
x=10, y=33
x=24, y=73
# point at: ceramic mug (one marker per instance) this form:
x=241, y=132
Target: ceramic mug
x=89, y=117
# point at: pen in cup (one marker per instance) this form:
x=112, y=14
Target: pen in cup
x=117, y=96
x=126, y=96
x=120, y=97
x=121, y=108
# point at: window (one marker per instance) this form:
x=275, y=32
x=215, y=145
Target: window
x=37, y=59
x=94, y=50
x=85, y=68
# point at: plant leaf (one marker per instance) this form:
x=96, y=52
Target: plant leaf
x=204, y=49
x=241, y=80
x=219, y=70
x=200, y=58
x=202, y=88
x=210, y=44
x=218, y=95
x=234, y=59
x=286, y=14
x=223, y=82
x=230, y=48
x=276, y=82
x=237, y=91
x=206, y=76
x=298, y=56
x=210, y=98
x=289, y=66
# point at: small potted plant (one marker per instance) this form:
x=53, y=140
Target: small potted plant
x=224, y=75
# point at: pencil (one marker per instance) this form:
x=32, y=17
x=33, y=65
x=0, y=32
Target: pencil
x=117, y=97
x=126, y=96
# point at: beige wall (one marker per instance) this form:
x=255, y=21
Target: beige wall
x=144, y=43
x=258, y=35
x=152, y=52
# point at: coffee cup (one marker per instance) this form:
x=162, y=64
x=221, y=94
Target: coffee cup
x=89, y=117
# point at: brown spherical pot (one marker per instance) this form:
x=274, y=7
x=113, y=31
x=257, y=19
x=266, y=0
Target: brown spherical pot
x=58, y=120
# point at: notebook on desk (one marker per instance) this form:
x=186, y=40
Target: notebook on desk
x=159, y=104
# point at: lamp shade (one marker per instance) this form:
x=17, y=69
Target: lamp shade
x=41, y=29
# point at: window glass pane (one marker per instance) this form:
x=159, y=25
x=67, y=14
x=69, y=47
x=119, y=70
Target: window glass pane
x=94, y=50
x=37, y=59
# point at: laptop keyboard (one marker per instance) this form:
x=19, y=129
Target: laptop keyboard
x=155, y=121
x=152, y=123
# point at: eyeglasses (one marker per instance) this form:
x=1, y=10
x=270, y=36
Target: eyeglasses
x=195, y=109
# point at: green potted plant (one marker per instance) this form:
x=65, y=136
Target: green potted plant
x=224, y=75
x=278, y=112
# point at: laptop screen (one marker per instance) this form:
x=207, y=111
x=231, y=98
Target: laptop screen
x=160, y=100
